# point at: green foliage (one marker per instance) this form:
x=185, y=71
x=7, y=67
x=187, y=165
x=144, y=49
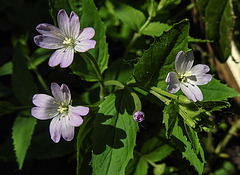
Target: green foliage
x=23, y=128
x=182, y=142
x=216, y=91
x=153, y=150
x=6, y=69
x=219, y=19
x=38, y=57
x=114, y=134
x=132, y=17
x=159, y=59
x=155, y=29
x=22, y=80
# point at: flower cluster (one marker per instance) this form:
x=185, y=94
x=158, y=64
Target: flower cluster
x=66, y=39
x=58, y=108
x=187, y=77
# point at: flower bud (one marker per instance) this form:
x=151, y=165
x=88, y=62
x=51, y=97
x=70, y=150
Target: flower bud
x=184, y=100
x=138, y=116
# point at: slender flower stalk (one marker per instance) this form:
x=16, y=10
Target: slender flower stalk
x=187, y=77
x=58, y=108
x=66, y=39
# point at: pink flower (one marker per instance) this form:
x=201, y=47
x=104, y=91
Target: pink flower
x=64, y=116
x=138, y=116
x=66, y=39
x=187, y=77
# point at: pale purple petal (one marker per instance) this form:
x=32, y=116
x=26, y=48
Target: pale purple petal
x=85, y=45
x=67, y=130
x=86, y=34
x=74, y=25
x=173, y=82
x=74, y=119
x=43, y=113
x=57, y=57
x=48, y=42
x=43, y=100
x=63, y=21
x=200, y=69
x=50, y=30
x=79, y=110
x=67, y=58
x=196, y=91
x=55, y=129
x=201, y=79
x=188, y=92
x=189, y=60
x=61, y=94
x=179, y=62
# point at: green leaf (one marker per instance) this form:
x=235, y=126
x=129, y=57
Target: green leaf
x=22, y=80
x=184, y=145
x=38, y=57
x=114, y=134
x=216, y=91
x=132, y=17
x=6, y=69
x=142, y=167
x=89, y=17
x=23, y=128
x=159, y=169
x=155, y=29
x=169, y=117
x=167, y=4
x=219, y=20
x=159, y=59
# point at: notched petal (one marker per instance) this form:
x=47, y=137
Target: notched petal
x=173, y=82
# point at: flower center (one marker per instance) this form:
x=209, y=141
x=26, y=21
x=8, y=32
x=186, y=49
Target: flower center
x=62, y=108
x=69, y=42
x=184, y=77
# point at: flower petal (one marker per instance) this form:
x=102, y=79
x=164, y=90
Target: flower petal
x=85, y=45
x=201, y=79
x=79, y=110
x=43, y=100
x=184, y=63
x=196, y=91
x=63, y=21
x=48, y=42
x=67, y=130
x=43, y=113
x=50, y=30
x=74, y=25
x=55, y=129
x=86, y=34
x=74, y=119
x=56, y=58
x=186, y=90
x=173, y=82
x=61, y=94
x=200, y=69
x=67, y=58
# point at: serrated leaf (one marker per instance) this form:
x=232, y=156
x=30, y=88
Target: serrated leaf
x=89, y=17
x=23, y=128
x=159, y=59
x=217, y=91
x=114, y=134
x=169, y=117
x=155, y=29
x=130, y=16
x=219, y=20
x=184, y=145
x=22, y=81
x=6, y=69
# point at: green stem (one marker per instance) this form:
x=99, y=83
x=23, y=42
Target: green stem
x=98, y=72
x=228, y=137
x=114, y=83
x=162, y=98
x=147, y=160
x=160, y=91
x=39, y=77
x=137, y=101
